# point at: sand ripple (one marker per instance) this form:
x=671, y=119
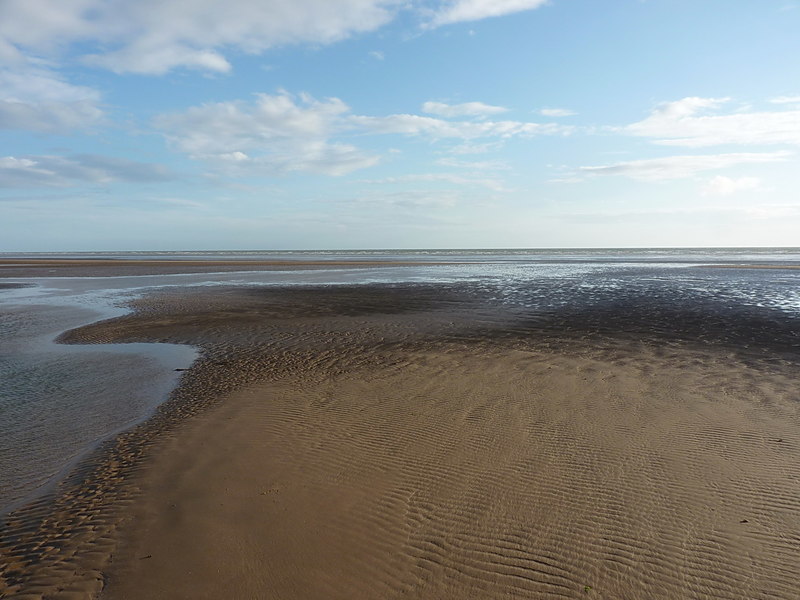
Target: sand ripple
x=427, y=445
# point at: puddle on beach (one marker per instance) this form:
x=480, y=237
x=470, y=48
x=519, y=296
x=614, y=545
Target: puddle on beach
x=58, y=402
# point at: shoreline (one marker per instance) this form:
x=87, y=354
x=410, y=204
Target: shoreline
x=29, y=268
x=319, y=348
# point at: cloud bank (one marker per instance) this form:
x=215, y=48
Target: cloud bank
x=156, y=36
x=274, y=135
x=282, y=133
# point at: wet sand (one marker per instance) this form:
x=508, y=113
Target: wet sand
x=748, y=266
x=417, y=441
x=54, y=267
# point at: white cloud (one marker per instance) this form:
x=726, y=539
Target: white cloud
x=725, y=186
x=677, y=167
x=786, y=100
x=273, y=135
x=557, y=112
x=282, y=133
x=36, y=99
x=155, y=36
x=456, y=11
x=43, y=25
x=685, y=123
x=377, y=55
x=689, y=106
x=467, y=109
x=158, y=60
x=58, y=171
x=440, y=129
x=230, y=127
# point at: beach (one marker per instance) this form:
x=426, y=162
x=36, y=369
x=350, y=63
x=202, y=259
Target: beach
x=399, y=300
x=438, y=440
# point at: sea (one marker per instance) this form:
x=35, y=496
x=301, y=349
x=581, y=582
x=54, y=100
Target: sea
x=59, y=402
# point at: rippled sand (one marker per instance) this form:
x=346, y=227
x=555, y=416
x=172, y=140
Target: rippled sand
x=387, y=441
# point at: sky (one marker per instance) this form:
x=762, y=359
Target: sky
x=356, y=124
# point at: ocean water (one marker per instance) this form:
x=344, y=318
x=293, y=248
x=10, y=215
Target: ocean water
x=57, y=402
x=789, y=255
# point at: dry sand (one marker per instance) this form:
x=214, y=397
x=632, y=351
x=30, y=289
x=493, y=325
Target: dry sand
x=406, y=441
x=476, y=476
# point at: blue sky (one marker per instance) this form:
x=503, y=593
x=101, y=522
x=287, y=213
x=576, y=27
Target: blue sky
x=315, y=124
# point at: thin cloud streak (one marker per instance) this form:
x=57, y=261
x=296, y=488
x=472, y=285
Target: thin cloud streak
x=58, y=171
x=686, y=123
x=557, y=112
x=679, y=167
x=467, y=109
x=458, y=11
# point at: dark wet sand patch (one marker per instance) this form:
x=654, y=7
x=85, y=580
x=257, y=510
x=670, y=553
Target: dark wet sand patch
x=46, y=267
x=14, y=286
